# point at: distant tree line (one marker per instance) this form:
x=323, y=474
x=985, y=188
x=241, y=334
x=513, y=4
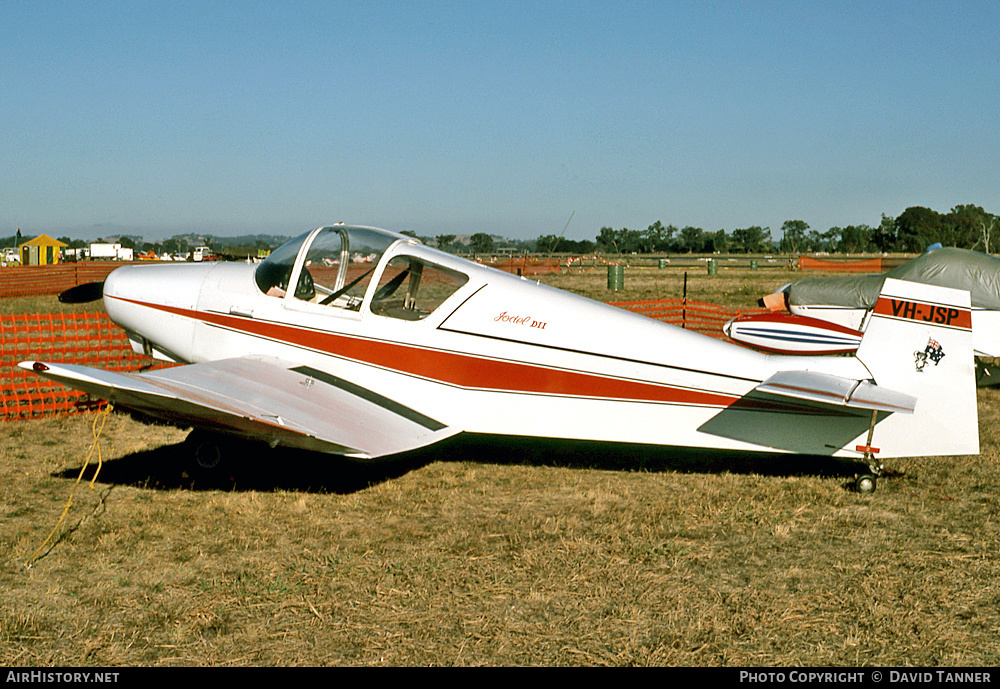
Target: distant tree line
x=658, y=238
x=966, y=227
x=916, y=228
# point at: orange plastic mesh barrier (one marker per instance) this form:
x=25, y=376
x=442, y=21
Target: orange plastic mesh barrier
x=865, y=265
x=89, y=339
x=522, y=265
x=30, y=281
x=698, y=316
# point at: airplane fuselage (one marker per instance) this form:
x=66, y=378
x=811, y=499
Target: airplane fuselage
x=499, y=355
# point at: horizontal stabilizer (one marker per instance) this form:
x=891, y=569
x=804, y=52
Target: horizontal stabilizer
x=830, y=389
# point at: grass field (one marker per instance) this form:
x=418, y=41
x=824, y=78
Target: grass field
x=498, y=553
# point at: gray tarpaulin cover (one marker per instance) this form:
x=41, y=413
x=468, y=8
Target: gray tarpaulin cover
x=958, y=268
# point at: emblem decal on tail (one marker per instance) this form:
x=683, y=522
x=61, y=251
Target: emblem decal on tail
x=932, y=352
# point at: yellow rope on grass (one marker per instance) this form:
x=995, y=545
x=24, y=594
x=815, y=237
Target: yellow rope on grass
x=102, y=418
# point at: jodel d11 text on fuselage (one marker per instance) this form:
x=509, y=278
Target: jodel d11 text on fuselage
x=365, y=343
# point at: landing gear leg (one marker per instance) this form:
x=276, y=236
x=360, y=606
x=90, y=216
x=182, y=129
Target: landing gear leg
x=867, y=483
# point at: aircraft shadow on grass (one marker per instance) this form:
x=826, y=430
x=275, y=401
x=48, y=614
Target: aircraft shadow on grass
x=253, y=467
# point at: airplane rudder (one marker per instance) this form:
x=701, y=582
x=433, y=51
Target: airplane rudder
x=925, y=325
x=918, y=341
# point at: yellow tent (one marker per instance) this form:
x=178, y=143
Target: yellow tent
x=41, y=251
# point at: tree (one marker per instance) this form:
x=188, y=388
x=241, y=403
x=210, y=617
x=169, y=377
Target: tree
x=793, y=236
x=822, y=241
x=884, y=236
x=972, y=226
x=854, y=239
x=584, y=246
x=692, y=239
x=608, y=240
x=917, y=228
x=623, y=241
x=749, y=240
x=444, y=241
x=70, y=243
x=717, y=243
x=657, y=237
x=547, y=243
x=631, y=242
x=481, y=243
x=174, y=246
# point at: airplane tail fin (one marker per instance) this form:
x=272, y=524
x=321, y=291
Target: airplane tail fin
x=918, y=342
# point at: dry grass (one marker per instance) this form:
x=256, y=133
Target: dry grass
x=45, y=304
x=494, y=555
x=732, y=288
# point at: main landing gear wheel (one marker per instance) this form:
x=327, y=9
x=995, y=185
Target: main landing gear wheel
x=865, y=484
x=208, y=453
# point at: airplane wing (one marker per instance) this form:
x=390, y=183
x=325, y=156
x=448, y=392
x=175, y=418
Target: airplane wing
x=264, y=399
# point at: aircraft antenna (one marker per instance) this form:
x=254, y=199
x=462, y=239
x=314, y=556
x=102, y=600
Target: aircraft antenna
x=567, y=223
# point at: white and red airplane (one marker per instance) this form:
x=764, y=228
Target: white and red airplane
x=383, y=345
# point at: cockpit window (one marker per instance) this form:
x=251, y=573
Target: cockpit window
x=273, y=272
x=338, y=266
x=411, y=289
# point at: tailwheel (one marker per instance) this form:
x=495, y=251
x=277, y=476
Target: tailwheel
x=865, y=484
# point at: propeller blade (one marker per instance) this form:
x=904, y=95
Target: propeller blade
x=81, y=294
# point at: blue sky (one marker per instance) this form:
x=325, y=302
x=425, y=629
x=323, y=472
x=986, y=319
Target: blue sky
x=503, y=117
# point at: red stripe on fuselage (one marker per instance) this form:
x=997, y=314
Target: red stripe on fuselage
x=462, y=370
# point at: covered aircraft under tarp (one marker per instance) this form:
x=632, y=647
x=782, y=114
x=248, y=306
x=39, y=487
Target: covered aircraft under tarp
x=828, y=315
x=956, y=268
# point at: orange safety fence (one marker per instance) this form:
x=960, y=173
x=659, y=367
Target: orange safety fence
x=31, y=281
x=89, y=339
x=698, y=316
x=864, y=265
x=522, y=265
